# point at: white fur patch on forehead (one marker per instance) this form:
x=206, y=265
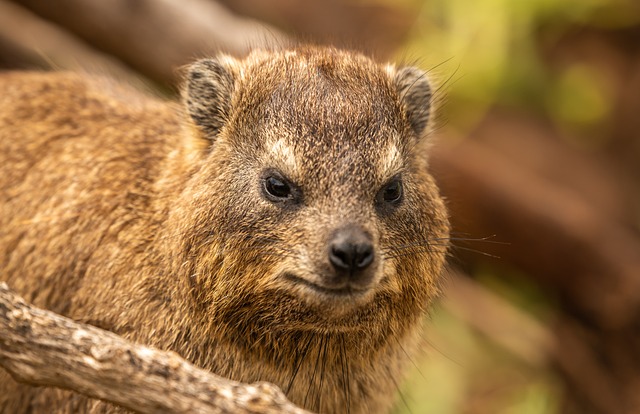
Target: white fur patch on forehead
x=392, y=161
x=283, y=154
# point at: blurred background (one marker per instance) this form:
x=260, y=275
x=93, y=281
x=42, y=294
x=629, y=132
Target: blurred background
x=538, y=155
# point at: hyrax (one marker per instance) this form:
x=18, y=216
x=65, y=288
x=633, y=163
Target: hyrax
x=280, y=225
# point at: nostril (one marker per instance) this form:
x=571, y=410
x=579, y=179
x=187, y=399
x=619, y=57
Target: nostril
x=351, y=256
x=364, y=255
x=340, y=256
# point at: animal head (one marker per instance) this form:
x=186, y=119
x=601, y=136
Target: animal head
x=311, y=207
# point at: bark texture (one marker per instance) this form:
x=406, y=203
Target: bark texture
x=42, y=348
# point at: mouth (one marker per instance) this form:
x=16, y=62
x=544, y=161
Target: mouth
x=342, y=292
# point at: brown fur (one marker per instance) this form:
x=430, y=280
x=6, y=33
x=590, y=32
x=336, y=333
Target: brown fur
x=146, y=219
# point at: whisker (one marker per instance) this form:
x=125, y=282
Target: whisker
x=468, y=249
x=345, y=384
x=409, y=245
x=432, y=68
x=300, y=359
x=322, y=372
x=262, y=251
x=430, y=248
x=441, y=352
x=402, y=397
x=315, y=370
x=430, y=245
x=410, y=358
x=480, y=240
x=347, y=375
x=447, y=82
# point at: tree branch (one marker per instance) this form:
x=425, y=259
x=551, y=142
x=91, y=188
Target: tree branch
x=42, y=348
x=157, y=36
x=557, y=236
x=27, y=41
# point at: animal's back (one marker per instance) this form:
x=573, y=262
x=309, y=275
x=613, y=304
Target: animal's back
x=78, y=160
x=68, y=150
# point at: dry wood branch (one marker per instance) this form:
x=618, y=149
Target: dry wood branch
x=32, y=42
x=42, y=348
x=157, y=36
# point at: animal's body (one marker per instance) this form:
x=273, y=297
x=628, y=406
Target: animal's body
x=280, y=225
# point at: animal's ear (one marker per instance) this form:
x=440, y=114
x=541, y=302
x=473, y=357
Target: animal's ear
x=415, y=91
x=209, y=87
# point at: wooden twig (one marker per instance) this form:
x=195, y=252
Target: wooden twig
x=42, y=348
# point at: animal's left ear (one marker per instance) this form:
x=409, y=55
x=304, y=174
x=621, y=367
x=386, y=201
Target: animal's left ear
x=415, y=91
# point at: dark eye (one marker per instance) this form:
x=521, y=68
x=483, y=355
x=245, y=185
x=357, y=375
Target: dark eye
x=391, y=193
x=276, y=188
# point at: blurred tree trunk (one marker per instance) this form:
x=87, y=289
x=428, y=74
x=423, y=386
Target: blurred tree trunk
x=375, y=27
x=27, y=41
x=156, y=37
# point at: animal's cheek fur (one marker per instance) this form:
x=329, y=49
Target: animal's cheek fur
x=218, y=273
x=411, y=270
x=407, y=280
x=390, y=282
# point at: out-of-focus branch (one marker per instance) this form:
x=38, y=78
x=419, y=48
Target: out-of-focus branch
x=377, y=27
x=29, y=41
x=561, y=345
x=157, y=36
x=555, y=235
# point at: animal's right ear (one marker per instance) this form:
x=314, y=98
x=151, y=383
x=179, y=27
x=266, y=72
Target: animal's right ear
x=210, y=85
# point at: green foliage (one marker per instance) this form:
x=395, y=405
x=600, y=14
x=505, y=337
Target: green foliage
x=495, y=50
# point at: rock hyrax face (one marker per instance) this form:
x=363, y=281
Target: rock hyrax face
x=313, y=208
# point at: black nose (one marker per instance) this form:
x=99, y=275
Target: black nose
x=351, y=249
